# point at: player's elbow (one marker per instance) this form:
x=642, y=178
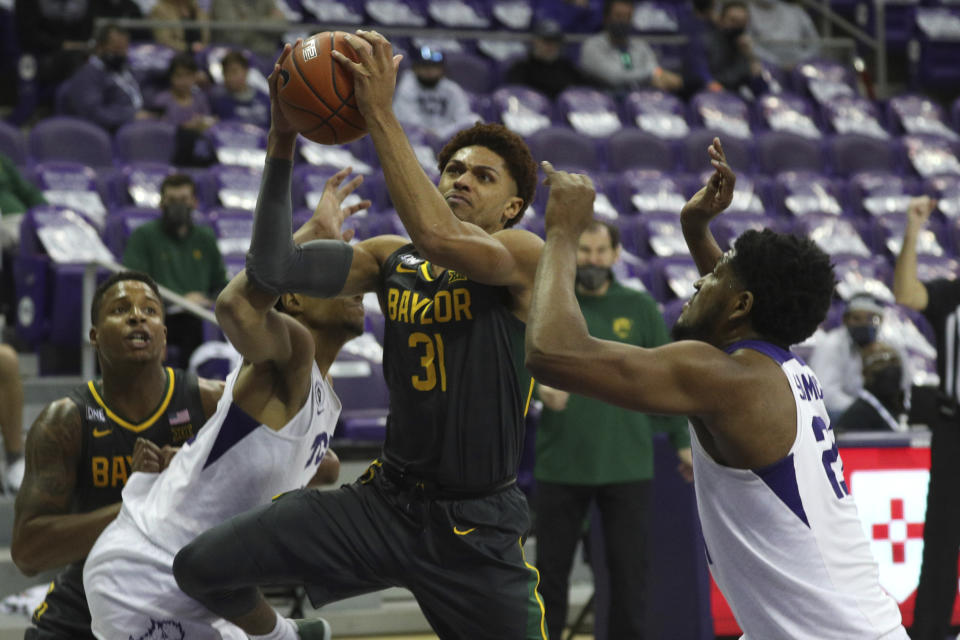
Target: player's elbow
x=25, y=556
x=546, y=367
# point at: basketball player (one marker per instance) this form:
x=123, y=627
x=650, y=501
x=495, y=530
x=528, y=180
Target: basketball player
x=439, y=513
x=80, y=449
x=783, y=538
x=269, y=434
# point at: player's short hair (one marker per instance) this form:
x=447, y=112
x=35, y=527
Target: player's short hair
x=612, y=230
x=234, y=56
x=506, y=144
x=792, y=282
x=181, y=61
x=120, y=276
x=175, y=180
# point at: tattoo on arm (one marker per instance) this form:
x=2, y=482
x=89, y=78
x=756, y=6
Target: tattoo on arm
x=52, y=455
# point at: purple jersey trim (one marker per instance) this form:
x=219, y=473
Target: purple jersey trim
x=779, y=354
x=237, y=425
x=781, y=477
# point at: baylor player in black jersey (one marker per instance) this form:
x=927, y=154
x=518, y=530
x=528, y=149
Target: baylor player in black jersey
x=80, y=450
x=439, y=512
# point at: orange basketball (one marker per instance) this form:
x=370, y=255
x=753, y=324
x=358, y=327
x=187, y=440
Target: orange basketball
x=316, y=93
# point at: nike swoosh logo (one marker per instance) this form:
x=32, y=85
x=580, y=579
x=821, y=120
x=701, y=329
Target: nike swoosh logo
x=463, y=533
x=403, y=269
x=98, y=433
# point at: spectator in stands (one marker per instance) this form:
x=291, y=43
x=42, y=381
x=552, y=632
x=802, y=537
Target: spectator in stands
x=180, y=38
x=264, y=43
x=939, y=300
x=57, y=34
x=546, y=68
x=425, y=97
x=181, y=256
x=16, y=196
x=588, y=451
x=236, y=100
x=103, y=90
x=782, y=33
x=698, y=26
x=730, y=51
x=837, y=359
x=185, y=105
x=880, y=403
x=11, y=417
x=123, y=9
x=621, y=61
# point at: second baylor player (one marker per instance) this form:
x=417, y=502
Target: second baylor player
x=79, y=452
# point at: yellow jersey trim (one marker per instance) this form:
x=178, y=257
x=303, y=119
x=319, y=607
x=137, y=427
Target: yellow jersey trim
x=529, y=397
x=425, y=271
x=146, y=424
x=536, y=592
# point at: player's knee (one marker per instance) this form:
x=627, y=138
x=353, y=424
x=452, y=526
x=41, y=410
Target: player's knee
x=193, y=570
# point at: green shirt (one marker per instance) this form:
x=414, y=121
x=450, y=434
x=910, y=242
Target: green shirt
x=592, y=442
x=16, y=194
x=191, y=264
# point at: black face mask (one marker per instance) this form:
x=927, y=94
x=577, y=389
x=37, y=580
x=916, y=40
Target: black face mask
x=885, y=386
x=428, y=83
x=114, y=61
x=592, y=277
x=863, y=335
x=734, y=33
x=702, y=6
x=177, y=219
x=619, y=30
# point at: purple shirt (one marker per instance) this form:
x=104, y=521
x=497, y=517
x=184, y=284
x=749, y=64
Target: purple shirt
x=177, y=113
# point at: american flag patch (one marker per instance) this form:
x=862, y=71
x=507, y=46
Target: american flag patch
x=179, y=417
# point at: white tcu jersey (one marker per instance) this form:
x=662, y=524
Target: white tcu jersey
x=785, y=543
x=233, y=464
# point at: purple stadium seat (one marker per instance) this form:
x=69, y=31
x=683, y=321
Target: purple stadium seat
x=636, y=149
x=889, y=231
x=946, y=188
x=933, y=268
x=590, y=112
x=749, y=197
x=832, y=234
x=522, y=109
x=335, y=157
x=647, y=191
x=915, y=114
x=931, y=156
x=307, y=188
x=673, y=277
x=334, y=11
x=656, y=18
x=663, y=234
x=238, y=143
x=425, y=146
x=779, y=151
x=121, y=223
x=858, y=273
x=515, y=15
x=71, y=185
x=657, y=112
x=938, y=32
x=955, y=114
x=880, y=193
x=234, y=228
x=210, y=60
x=145, y=141
x=69, y=139
x=139, y=184
x=149, y=62
x=789, y=113
x=802, y=193
x=728, y=227
x=460, y=14
x=471, y=72
x=823, y=79
x=564, y=147
x=739, y=152
x=13, y=144
x=724, y=112
x=853, y=153
x=396, y=13
x=231, y=186
x=850, y=114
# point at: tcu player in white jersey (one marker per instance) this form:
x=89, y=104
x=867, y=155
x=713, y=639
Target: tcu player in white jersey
x=783, y=539
x=270, y=434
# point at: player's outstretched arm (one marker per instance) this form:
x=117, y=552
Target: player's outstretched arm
x=704, y=206
x=688, y=378
x=507, y=258
x=45, y=534
x=907, y=288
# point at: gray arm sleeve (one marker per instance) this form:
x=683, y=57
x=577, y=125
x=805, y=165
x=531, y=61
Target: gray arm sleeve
x=318, y=268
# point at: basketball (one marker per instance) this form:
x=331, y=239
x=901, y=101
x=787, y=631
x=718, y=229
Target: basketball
x=316, y=93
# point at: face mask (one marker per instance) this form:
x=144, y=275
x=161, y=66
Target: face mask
x=114, y=61
x=177, y=219
x=619, y=30
x=734, y=33
x=863, y=335
x=592, y=277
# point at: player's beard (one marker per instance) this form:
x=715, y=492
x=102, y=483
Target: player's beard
x=697, y=330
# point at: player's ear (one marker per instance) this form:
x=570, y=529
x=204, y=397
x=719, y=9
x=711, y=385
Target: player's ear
x=292, y=303
x=512, y=208
x=743, y=305
x=93, y=337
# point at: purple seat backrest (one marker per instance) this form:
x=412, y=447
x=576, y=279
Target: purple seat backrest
x=233, y=186
x=564, y=148
x=788, y=112
x=664, y=234
x=334, y=11
x=780, y=151
x=238, y=134
x=946, y=188
x=470, y=72
x=930, y=156
x=647, y=191
x=652, y=101
x=70, y=139
x=141, y=182
x=149, y=58
x=460, y=14
x=589, y=111
x=740, y=152
x=928, y=240
x=43, y=216
x=824, y=72
x=679, y=273
x=724, y=112
x=145, y=141
x=852, y=153
x=934, y=267
x=522, y=109
x=12, y=143
x=64, y=176
x=657, y=112
x=806, y=193
x=747, y=197
x=851, y=114
x=634, y=148
x=880, y=193
x=655, y=17
x=833, y=234
x=513, y=14
x=408, y=13
x=121, y=223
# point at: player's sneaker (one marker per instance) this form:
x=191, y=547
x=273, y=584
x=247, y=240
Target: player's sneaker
x=13, y=476
x=313, y=629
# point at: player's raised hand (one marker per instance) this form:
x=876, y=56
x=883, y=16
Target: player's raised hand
x=328, y=217
x=375, y=75
x=717, y=194
x=147, y=456
x=277, y=78
x=919, y=210
x=570, y=205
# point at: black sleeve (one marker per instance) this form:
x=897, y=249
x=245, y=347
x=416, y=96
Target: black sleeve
x=943, y=296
